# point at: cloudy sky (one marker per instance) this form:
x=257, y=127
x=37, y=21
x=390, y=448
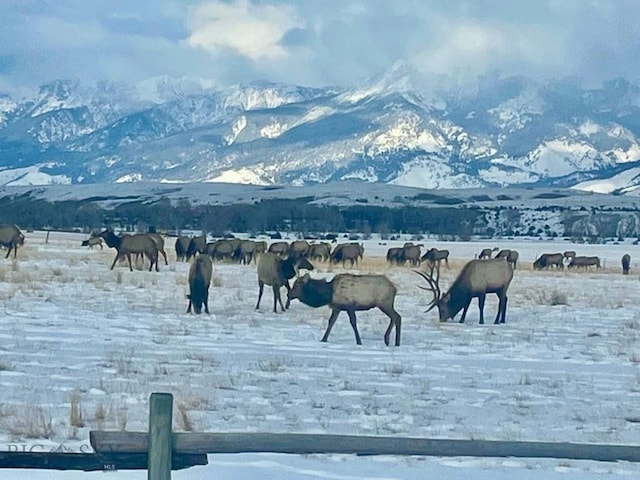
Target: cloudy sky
x=314, y=42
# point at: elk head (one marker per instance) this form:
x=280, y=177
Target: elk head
x=440, y=301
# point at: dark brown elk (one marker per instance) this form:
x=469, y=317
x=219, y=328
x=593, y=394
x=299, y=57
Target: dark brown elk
x=584, y=262
x=279, y=248
x=196, y=245
x=261, y=247
x=548, y=260
x=220, y=249
x=569, y=254
x=434, y=257
x=126, y=245
x=350, y=293
x=92, y=242
x=487, y=252
x=511, y=256
x=275, y=271
x=412, y=254
x=200, y=273
x=626, y=262
x=11, y=238
x=182, y=244
x=395, y=256
x=299, y=249
x=350, y=252
x=320, y=251
x=477, y=279
x=246, y=251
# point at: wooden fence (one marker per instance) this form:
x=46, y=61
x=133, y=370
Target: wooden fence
x=160, y=450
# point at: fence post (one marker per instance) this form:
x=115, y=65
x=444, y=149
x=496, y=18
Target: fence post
x=160, y=442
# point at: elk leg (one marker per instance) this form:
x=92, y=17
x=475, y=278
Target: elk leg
x=502, y=310
x=189, y=306
x=332, y=320
x=395, y=320
x=481, y=300
x=165, y=257
x=9, y=251
x=288, y=303
x=115, y=260
x=354, y=325
x=277, y=299
x=464, y=312
x=129, y=258
x=260, y=289
x=206, y=302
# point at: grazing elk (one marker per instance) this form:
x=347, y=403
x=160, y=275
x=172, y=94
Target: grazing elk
x=350, y=252
x=275, y=271
x=435, y=257
x=220, y=249
x=245, y=251
x=395, y=256
x=196, y=245
x=126, y=245
x=11, y=238
x=548, y=260
x=511, y=256
x=626, y=262
x=182, y=244
x=477, y=279
x=350, y=293
x=320, y=251
x=92, y=242
x=584, y=262
x=279, y=248
x=412, y=253
x=299, y=249
x=200, y=273
x=487, y=252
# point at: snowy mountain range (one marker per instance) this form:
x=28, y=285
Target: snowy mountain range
x=400, y=128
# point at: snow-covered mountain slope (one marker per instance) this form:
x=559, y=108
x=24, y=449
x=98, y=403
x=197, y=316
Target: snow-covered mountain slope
x=399, y=128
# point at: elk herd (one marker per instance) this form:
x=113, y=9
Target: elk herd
x=280, y=262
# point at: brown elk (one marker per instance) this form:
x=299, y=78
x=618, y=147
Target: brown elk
x=200, y=273
x=511, y=256
x=11, y=238
x=299, y=248
x=487, y=252
x=320, y=251
x=548, y=260
x=279, y=248
x=477, y=279
x=395, y=256
x=92, y=242
x=246, y=251
x=222, y=249
x=182, y=244
x=412, y=253
x=435, y=257
x=350, y=252
x=584, y=262
x=350, y=293
x=196, y=245
x=626, y=262
x=128, y=244
x=275, y=271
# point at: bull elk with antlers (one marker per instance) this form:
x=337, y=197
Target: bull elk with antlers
x=477, y=279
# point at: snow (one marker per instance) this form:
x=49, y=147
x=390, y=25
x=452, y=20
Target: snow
x=610, y=185
x=31, y=176
x=565, y=366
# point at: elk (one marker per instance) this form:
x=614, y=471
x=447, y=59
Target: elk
x=487, y=252
x=128, y=244
x=395, y=255
x=350, y=293
x=548, y=260
x=511, y=256
x=200, y=273
x=320, y=251
x=275, y=271
x=182, y=244
x=347, y=252
x=477, y=279
x=196, y=245
x=220, y=249
x=92, y=242
x=299, y=248
x=584, y=262
x=412, y=254
x=435, y=257
x=246, y=251
x=156, y=237
x=11, y=238
x=626, y=262
x=279, y=248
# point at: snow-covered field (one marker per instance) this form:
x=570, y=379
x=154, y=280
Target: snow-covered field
x=82, y=347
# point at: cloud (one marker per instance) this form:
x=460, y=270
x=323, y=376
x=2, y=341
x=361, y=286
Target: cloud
x=252, y=30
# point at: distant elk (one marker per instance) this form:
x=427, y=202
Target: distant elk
x=412, y=253
x=125, y=245
x=246, y=251
x=92, y=242
x=196, y=245
x=299, y=249
x=511, y=256
x=182, y=244
x=626, y=262
x=222, y=249
x=11, y=238
x=320, y=251
x=487, y=253
x=347, y=252
x=156, y=237
x=477, y=279
x=275, y=271
x=395, y=256
x=434, y=257
x=200, y=273
x=350, y=293
x=548, y=260
x=584, y=262
x=279, y=248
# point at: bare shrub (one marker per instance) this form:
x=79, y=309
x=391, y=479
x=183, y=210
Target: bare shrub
x=75, y=413
x=183, y=419
x=32, y=421
x=100, y=416
x=546, y=297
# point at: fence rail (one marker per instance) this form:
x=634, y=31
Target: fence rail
x=160, y=450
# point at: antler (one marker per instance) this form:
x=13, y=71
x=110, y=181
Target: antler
x=433, y=286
